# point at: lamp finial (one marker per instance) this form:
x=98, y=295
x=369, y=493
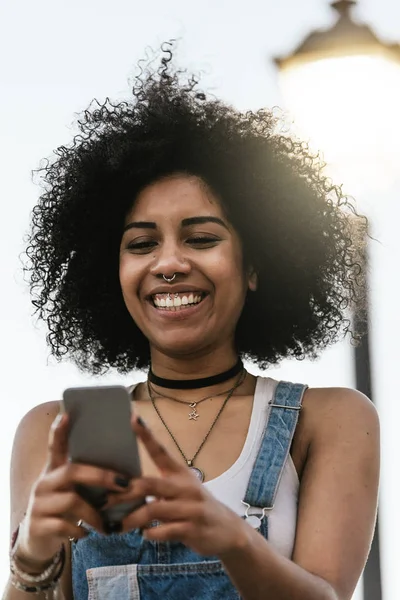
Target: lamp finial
x=343, y=7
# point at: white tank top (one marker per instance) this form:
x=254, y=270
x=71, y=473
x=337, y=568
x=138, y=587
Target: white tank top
x=230, y=487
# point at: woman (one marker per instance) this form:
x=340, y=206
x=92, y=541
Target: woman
x=179, y=235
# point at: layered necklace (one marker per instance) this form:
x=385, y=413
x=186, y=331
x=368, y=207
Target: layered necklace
x=193, y=414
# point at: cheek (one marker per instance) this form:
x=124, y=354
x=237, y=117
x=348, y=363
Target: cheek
x=128, y=278
x=230, y=276
x=232, y=289
x=122, y=276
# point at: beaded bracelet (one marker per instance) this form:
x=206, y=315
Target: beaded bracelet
x=59, y=558
x=34, y=589
x=58, y=561
x=57, y=565
x=43, y=587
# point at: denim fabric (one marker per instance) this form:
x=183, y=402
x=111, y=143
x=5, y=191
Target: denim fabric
x=127, y=567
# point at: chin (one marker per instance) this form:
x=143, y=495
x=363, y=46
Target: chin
x=181, y=347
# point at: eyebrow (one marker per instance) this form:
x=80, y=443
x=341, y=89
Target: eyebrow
x=140, y=225
x=184, y=223
x=202, y=220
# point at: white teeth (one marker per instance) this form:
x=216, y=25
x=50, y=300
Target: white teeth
x=167, y=301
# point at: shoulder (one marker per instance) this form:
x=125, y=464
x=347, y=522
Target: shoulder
x=45, y=410
x=340, y=426
x=29, y=455
x=39, y=418
x=31, y=437
x=337, y=413
x=332, y=419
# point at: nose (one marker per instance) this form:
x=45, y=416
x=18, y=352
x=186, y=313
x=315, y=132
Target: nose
x=169, y=260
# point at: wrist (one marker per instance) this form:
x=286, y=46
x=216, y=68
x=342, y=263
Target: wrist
x=37, y=583
x=30, y=564
x=240, y=543
x=27, y=560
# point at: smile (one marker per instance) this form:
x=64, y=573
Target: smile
x=178, y=301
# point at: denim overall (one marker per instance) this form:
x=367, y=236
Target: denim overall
x=128, y=567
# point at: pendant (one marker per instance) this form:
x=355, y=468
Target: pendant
x=194, y=415
x=197, y=473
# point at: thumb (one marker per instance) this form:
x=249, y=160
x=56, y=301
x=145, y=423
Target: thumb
x=58, y=442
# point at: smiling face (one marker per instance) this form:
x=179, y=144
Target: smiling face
x=177, y=227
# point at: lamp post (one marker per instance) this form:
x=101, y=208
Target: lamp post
x=342, y=87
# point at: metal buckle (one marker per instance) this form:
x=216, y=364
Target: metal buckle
x=255, y=520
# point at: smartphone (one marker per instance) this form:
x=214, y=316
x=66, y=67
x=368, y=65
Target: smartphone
x=100, y=434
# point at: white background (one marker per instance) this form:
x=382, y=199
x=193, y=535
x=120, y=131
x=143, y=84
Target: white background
x=55, y=56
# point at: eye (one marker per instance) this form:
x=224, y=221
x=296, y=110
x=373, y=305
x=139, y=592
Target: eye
x=141, y=247
x=204, y=241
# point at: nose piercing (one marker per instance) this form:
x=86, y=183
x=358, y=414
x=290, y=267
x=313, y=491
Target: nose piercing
x=169, y=279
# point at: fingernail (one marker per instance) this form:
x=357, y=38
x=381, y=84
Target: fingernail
x=113, y=527
x=121, y=481
x=141, y=422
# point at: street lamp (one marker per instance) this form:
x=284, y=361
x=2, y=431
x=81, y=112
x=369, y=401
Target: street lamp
x=342, y=88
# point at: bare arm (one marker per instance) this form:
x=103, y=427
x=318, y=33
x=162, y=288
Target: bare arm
x=44, y=495
x=28, y=459
x=337, y=508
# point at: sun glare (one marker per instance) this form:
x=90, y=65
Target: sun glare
x=348, y=108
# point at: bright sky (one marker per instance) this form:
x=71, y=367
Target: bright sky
x=55, y=57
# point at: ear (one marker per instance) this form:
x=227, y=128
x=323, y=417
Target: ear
x=252, y=280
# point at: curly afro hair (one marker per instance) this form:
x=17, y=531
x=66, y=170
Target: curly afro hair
x=296, y=227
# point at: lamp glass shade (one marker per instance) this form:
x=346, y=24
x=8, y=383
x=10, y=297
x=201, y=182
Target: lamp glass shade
x=348, y=108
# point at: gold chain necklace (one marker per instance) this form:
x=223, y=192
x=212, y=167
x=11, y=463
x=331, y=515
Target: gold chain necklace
x=193, y=414
x=198, y=472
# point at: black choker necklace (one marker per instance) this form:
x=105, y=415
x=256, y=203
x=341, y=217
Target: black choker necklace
x=192, y=384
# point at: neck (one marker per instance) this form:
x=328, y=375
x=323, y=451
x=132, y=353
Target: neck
x=197, y=383
x=192, y=367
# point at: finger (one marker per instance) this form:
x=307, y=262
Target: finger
x=53, y=526
x=161, y=510
x=161, y=457
x=159, y=487
x=68, y=475
x=70, y=507
x=58, y=442
x=177, y=531
x=80, y=532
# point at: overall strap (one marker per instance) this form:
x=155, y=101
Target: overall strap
x=275, y=445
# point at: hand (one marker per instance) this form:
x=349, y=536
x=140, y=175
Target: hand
x=187, y=511
x=54, y=506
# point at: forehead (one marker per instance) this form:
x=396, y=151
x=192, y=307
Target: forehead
x=175, y=197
